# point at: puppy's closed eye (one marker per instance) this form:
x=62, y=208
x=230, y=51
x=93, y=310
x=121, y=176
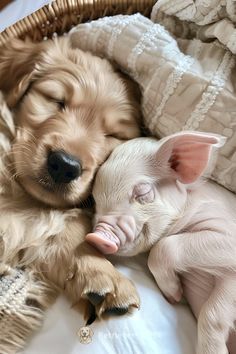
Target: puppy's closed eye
x=61, y=104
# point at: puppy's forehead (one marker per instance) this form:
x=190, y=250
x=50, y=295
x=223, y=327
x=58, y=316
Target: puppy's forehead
x=60, y=87
x=76, y=87
x=79, y=77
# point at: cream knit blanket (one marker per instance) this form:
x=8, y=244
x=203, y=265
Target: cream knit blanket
x=187, y=84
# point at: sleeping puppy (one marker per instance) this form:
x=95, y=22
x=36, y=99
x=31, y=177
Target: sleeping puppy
x=149, y=197
x=70, y=110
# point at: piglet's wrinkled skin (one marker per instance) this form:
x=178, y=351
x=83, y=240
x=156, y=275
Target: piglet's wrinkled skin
x=150, y=196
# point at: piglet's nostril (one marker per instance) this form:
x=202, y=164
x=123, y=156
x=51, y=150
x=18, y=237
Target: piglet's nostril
x=63, y=167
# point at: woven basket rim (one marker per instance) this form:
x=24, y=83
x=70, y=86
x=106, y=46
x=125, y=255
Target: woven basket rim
x=61, y=15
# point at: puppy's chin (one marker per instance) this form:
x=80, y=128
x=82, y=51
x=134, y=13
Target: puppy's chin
x=57, y=199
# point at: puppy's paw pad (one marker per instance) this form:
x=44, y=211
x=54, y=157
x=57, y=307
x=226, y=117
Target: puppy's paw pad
x=91, y=315
x=117, y=311
x=121, y=302
x=95, y=298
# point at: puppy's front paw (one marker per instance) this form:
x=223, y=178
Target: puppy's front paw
x=95, y=279
x=111, y=293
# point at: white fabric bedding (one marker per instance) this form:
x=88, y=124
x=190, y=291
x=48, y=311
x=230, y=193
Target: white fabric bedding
x=157, y=327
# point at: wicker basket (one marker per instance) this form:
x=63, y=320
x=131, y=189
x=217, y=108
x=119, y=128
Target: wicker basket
x=58, y=17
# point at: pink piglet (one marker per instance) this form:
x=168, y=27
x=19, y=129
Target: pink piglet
x=150, y=196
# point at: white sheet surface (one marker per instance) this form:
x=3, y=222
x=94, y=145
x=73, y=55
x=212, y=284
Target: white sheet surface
x=157, y=328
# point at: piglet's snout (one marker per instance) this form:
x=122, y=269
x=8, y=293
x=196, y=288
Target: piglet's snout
x=112, y=232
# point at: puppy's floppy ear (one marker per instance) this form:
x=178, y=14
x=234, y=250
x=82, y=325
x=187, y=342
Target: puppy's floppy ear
x=17, y=63
x=127, y=123
x=188, y=154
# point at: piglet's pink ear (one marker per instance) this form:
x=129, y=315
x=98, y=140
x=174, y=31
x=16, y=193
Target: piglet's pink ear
x=189, y=153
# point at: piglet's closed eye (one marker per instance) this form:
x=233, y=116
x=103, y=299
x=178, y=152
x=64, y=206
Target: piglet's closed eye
x=143, y=193
x=188, y=153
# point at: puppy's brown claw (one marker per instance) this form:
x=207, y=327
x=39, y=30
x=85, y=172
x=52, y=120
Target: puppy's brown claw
x=117, y=311
x=92, y=316
x=137, y=306
x=95, y=298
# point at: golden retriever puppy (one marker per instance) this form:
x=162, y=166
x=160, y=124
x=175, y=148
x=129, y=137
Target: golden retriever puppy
x=70, y=109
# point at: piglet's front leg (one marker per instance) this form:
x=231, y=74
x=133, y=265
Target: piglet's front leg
x=162, y=264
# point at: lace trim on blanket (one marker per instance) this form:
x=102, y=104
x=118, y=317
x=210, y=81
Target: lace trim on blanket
x=120, y=24
x=173, y=80
x=171, y=84
x=146, y=40
x=111, y=27
x=209, y=96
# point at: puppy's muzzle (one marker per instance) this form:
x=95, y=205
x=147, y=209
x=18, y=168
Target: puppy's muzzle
x=63, y=167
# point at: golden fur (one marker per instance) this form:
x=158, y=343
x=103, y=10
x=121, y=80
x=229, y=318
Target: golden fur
x=61, y=99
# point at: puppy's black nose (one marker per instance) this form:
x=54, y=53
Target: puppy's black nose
x=62, y=167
